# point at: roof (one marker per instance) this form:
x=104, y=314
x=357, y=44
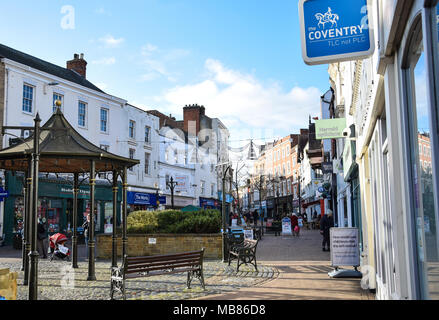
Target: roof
x=50, y=68
x=62, y=150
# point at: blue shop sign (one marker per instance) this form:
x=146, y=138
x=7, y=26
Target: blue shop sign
x=229, y=198
x=148, y=199
x=334, y=31
x=207, y=202
x=3, y=194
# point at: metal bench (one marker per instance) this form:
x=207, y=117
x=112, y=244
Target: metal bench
x=137, y=267
x=245, y=253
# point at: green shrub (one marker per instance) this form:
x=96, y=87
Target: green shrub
x=174, y=221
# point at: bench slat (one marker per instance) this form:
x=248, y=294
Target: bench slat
x=170, y=259
x=161, y=262
x=162, y=267
x=151, y=274
x=166, y=256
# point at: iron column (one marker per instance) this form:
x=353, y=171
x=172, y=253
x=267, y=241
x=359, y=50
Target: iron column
x=27, y=222
x=33, y=274
x=75, y=220
x=125, y=209
x=114, y=239
x=91, y=227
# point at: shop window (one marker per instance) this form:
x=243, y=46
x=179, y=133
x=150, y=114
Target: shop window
x=419, y=125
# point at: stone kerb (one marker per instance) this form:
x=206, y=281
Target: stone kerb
x=154, y=244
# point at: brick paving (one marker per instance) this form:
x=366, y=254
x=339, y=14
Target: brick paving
x=303, y=273
x=58, y=281
x=290, y=268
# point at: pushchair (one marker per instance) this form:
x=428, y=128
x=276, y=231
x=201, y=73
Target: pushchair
x=57, y=246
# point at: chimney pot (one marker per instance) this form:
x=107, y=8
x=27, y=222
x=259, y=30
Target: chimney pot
x=78, y=64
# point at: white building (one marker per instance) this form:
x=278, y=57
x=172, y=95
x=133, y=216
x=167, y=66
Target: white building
x=29, y=85
x=392, y=98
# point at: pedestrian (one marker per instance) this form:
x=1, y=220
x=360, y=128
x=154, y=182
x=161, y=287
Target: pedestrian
x=326, y=223
x=42, y=239
x=85, y=227
x=255, y=217
x=314, y=219
x=295, y=224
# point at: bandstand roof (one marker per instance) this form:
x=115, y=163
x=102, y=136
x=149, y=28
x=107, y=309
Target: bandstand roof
x=62, y=150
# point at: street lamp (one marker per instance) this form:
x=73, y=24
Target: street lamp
x=171, y=184
x=223, y=209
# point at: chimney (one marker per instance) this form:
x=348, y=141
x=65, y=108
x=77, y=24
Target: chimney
x=78, y=64
x=192, y=115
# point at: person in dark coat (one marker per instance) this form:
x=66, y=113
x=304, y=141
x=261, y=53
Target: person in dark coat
x=326, y=223
x=255, y=217
x=42, y=239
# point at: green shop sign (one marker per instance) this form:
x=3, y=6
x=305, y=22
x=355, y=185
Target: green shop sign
x=330, y=128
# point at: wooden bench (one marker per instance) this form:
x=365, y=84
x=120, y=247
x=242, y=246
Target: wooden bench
x=137, y=267
x=244, y=252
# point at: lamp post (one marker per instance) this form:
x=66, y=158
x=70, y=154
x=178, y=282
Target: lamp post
x=91, y=229
x=223, y=210
x=171, y=184
x=33, y=272
x=33, y=207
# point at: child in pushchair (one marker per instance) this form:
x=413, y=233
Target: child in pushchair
x=57, y=247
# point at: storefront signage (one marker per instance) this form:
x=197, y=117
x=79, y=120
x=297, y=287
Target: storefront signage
x=330, y=128
x=334, y=31
x=68, y=192
x=229, y=198
x=3, y=194
x=286, y=226
x=182, y=183
x=344, y=247
x=204, y=202
x=147, y=199
x=248, y=234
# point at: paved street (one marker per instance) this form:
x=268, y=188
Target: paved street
x=303, y=273
x=58, y=281
x=289, y=268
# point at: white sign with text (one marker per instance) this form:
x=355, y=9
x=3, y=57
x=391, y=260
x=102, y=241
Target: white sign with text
x=344, y=247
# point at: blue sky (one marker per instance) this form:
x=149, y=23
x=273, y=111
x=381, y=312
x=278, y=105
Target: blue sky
x=241, y=59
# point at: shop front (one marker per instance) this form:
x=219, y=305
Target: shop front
x=139, y=201
x=270, y=208
x=55, y=206
x=179, y=202
x=209, y=203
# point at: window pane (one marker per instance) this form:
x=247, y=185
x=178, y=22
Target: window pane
x=82, y=109
x=104, y=117
x=426, y=217
x=28, y=93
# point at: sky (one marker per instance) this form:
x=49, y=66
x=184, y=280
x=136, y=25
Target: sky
x=240, y=59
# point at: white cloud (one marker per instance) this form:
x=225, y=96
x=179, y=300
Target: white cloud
x=105, y=61
x=111, y=41
x=243, y=103
x=103, y=11
x=157, y=62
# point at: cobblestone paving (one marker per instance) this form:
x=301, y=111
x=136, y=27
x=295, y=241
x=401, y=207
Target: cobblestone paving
x=58, y=281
